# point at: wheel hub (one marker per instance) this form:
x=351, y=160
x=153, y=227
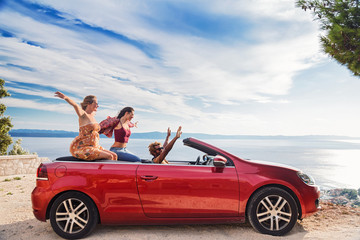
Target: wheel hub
x=273, y=213
x=72, y=216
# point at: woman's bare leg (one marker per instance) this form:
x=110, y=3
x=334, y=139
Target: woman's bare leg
x=104, y=154
x=114, y=155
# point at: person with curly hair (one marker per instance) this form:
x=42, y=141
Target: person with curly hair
x=159, y=152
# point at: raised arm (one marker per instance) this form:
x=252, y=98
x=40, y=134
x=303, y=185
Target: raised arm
x=166, y=142
x=79, y=111
x=170, y=145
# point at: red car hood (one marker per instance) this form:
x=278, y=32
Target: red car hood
x=273, y=164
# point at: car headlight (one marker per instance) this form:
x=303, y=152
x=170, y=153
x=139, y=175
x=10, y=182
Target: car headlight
x=306, y=178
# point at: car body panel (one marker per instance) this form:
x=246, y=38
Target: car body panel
x=112, y=186
x=188, y=191
x=135, y=193
x=255, y=175
x=40, y=198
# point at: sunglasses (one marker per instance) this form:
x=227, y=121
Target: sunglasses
x=159, y=148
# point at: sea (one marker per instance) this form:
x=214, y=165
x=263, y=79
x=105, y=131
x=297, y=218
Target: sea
x=332, y=162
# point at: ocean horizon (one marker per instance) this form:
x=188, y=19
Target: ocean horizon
x=334, y=162
x=157, y=134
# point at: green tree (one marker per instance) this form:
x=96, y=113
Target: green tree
x=5, y=122
x=340, y=19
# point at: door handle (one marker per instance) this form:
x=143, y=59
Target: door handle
x=149, y=178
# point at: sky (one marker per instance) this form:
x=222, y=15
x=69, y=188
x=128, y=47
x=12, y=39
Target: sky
x=212, y=66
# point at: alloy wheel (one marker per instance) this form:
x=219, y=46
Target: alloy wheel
x=274, y=213
x=72, y=215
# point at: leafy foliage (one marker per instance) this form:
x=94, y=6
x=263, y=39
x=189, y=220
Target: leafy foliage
x=349, y=193
x=18, y=150
x=340, y=19
x=5, y=122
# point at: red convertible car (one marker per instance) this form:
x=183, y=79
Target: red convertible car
x=216, y=187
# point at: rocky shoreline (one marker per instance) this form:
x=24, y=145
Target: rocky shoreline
x=342, y=196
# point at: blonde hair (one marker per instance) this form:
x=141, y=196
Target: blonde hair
x=152, y=149
x=87, y=101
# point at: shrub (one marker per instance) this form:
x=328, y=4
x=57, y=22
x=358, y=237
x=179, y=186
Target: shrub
x=356, y=203
x=349, y=193
x=18, y=150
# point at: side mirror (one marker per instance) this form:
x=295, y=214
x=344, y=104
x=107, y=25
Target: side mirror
x=219, y=161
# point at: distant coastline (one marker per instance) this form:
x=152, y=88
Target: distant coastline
x=159, y=135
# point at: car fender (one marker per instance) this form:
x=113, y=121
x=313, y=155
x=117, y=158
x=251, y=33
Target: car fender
x=79, y=184
x=117, y=199
x=246, y=194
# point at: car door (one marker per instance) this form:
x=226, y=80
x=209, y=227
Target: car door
x=183, y=191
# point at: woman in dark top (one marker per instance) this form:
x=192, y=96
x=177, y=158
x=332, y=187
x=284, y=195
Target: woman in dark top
x=122, y=134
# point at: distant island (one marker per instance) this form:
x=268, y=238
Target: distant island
x=161, y=135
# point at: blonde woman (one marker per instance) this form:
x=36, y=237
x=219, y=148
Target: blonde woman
x=86, y=145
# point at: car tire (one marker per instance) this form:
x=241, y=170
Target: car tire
x=73, y=215
x=272, y=211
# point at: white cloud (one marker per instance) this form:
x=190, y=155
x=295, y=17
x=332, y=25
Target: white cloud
x=202, y=67
x=271, y=9
x=33, y=92
x=31, y=104
x=191, y=75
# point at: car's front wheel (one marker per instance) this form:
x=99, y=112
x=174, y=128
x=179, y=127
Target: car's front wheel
x=272, y=211
x=73, y=215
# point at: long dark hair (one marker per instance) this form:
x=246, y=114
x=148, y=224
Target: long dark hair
x=125, y=110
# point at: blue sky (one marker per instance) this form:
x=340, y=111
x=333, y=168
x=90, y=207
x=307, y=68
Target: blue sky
x=219, y=67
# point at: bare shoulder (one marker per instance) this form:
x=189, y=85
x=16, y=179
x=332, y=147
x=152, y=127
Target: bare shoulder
x=86, y=119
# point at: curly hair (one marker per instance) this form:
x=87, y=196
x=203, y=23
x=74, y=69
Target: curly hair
x=152, y=149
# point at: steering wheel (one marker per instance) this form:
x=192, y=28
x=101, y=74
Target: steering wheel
x=205, y=159
x=202, y=160
x=197, y=162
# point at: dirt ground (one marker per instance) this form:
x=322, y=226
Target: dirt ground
x=18, y=222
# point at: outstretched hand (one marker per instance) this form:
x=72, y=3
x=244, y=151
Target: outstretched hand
x=60, y=95
x=79, y=111
x=178, y=133
x=168, y=132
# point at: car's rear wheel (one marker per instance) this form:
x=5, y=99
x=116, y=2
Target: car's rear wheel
x=272, y=211
x=73, y=215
